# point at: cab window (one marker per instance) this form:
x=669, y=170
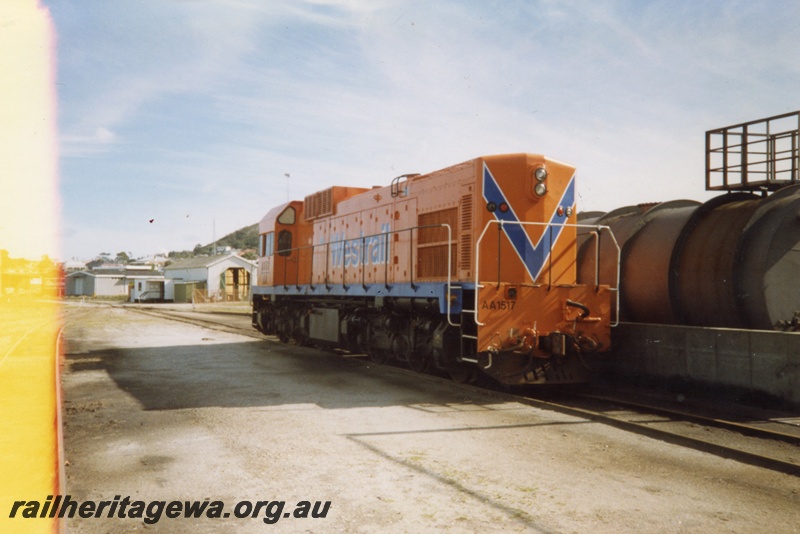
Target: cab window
x=267, y=244
x=284, y=243
x=287, y=216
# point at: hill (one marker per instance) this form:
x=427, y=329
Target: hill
x=241, y=239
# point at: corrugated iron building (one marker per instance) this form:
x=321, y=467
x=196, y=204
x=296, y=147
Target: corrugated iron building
x=215, y=278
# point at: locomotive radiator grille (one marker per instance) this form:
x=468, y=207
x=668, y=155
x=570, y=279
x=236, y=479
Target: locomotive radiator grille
x=465, y=263
x=433, y=244
x=319, y=204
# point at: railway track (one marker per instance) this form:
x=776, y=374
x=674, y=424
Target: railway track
x=748, y=429
x=767, y=443
x=745, y=443
x=223, y=322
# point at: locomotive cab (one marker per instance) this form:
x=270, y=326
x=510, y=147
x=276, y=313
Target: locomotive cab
x=281, y=232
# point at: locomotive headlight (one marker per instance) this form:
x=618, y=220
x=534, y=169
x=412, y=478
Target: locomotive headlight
x=540, y=174
x=540, y=189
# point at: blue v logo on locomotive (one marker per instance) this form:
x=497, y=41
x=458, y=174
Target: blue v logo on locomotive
x=534, y=257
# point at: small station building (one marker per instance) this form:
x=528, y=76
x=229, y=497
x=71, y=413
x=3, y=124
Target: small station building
x=221, y=278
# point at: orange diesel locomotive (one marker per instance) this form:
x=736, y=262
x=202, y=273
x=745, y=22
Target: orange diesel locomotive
x=468, y=269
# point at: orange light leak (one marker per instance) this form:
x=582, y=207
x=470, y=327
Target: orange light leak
x=30, y=458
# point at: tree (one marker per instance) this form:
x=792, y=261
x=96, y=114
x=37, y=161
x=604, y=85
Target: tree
x=122, y=257
x=202, y=250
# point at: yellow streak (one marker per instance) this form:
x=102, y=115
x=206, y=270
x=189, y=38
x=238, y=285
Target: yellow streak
x=29, y=432
x=28, y=426
x=28, y=149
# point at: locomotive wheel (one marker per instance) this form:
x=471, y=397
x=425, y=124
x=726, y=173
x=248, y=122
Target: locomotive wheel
x=418, y=362
x=463, y=373
x=300, y=338
x=283, y=335
x=261, y=320
x=379, y=356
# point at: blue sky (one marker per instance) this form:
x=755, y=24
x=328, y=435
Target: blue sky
x=190, y=113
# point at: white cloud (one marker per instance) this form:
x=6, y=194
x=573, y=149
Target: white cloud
x=84, y=145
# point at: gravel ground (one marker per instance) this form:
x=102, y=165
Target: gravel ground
x=165, y=411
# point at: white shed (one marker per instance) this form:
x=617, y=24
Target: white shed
x=146, y=288
x=82, y=283
x=217, y=278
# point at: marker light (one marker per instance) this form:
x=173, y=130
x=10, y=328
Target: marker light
x=560, y=211
x=503, y=207
x=491, y=207
x=540, y=189
x=569, y=212
x=540, y=174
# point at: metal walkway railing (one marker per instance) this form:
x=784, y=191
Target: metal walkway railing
x=757, y=156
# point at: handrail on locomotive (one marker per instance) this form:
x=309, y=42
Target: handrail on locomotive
x=597, y=230
x=595, y=234
x=389, y=242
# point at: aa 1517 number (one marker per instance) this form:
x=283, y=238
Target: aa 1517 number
x=498, y=304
